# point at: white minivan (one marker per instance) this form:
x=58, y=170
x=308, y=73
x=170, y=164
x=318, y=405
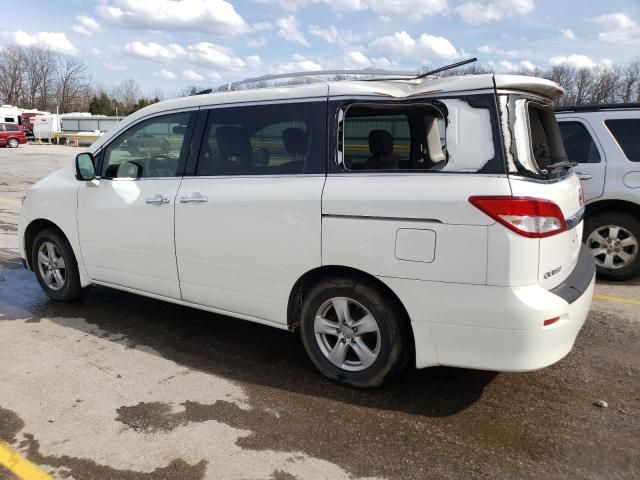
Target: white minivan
x=432, y=221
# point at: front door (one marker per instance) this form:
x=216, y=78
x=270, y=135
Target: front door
x=125, y=220
x=248, y=222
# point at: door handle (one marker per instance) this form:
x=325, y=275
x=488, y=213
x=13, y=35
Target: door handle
x=584, y=176
x=157, y=200
x=194, y=198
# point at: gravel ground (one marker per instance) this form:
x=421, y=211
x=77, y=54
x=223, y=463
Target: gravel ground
x=117, y=386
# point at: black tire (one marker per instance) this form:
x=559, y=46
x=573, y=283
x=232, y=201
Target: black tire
x=391, y=353
x=13, y=143
x=71, y=288
x=629, y=223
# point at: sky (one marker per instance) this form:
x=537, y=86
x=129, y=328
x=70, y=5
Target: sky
x=172, y=44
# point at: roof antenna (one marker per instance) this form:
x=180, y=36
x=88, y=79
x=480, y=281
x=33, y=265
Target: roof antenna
x=447, y=67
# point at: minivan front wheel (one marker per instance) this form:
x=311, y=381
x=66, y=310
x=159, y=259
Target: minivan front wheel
x=614, y=241
x=55, y=266
x=351, y=332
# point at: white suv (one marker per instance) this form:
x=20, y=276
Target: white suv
x=604, y=140
x=424, y=220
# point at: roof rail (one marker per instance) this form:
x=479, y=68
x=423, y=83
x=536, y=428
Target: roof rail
x=376, y=73
x=597, y=107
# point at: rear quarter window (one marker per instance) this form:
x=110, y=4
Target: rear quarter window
x=626, y=132
x=11, y=128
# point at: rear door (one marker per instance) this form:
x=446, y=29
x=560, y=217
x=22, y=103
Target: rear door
x=582, y=146
x=536, y=157
x=248, y=214
x=396, y=202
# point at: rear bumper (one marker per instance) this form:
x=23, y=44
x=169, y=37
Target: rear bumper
x=578, y=281
x=493, y=328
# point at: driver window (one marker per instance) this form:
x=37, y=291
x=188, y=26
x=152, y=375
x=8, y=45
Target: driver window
x=150, y=149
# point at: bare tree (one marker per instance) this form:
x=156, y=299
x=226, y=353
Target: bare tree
x=39, y=75
x=11, y=75
x=127, y=93
x=630, y=82
x=73, y=84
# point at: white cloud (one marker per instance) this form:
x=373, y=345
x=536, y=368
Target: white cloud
x=167, y=74
x=203, y=53
x=192, y=75
x=358, y=60
x=488, y=49
x=257, y=42
x=210, y=54
x=154, y=51
x=507, y=66
x=415, y=9
x=187, y=74
x=422, y=49
x=619, y=28
x=567, y=34
x=298, y=64
x=217, y=17
x=334, y=36
x=55, y=41
x=578, y=61
x=86, y=25
x=477, y=12
x=289, y=29
x=262, y=26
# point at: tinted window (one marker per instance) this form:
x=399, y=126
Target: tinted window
x=11, y=128
x=152, y=148
x=626, y=133
x=276, y=139
x=578, y=143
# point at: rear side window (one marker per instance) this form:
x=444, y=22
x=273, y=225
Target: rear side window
x=278, y=139
x=377, y=142
x=444, y=134
x=578, y=143
x=627, y=134
x=11, y=128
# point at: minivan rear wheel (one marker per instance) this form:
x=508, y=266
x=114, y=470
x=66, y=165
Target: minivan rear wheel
x=614, y=241
x=351, y=332
x=55, y=266
x=13, y=143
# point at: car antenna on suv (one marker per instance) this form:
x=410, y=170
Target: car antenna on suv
x=447, y=67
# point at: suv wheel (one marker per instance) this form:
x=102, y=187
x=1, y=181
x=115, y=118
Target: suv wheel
x=614, y=239
x=351, y=332
x=55, y=266
x=13, y=143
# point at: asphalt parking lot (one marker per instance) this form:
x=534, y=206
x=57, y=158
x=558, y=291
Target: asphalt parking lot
x=117, y=386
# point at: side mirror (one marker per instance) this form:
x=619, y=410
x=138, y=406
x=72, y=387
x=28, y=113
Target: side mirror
x=85, y=167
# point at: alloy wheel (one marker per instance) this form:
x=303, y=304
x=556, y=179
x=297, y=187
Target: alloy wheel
x=52, y=266
x=347, y=334
x=612, y=246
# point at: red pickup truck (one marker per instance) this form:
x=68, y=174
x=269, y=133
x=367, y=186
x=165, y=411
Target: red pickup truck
x=11, y=135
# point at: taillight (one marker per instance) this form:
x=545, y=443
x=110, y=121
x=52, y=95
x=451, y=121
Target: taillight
x=530, y=217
